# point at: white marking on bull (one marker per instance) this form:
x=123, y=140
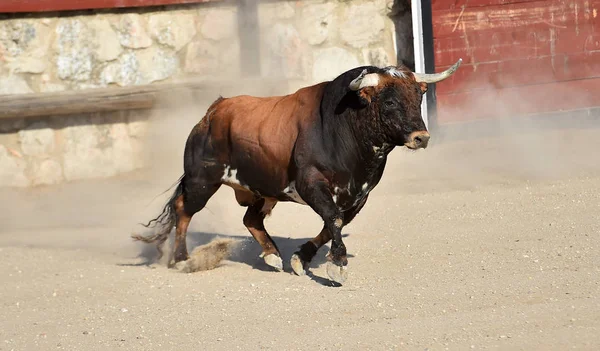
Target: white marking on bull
x=230, y=176
x=338, y=223
x=394, y=72
x=376, y=149
x=291, y=191
x=335, y=199
x=364, y=186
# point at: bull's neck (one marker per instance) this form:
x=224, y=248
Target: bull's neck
x=354, y=142
x=373, y=147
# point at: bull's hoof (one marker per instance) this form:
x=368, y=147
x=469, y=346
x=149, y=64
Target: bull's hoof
x=297, y=265
x=176, y=261
x=338, y=274
x=274, y=261
x=181, y=265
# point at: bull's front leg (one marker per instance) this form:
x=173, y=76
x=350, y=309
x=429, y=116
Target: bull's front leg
x=314, y=190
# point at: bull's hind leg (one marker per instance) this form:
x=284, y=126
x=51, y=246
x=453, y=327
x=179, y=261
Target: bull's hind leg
x=195, y=196
x=258, y=209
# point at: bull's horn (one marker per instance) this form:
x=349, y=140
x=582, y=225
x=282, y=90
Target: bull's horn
x=364, y=80
x=437, y=77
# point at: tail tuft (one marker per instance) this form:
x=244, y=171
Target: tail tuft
x=165, y=221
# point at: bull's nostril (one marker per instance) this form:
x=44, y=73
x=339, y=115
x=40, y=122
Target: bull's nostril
x=418, y=140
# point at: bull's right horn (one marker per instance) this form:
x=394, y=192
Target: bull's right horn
x=437, y=77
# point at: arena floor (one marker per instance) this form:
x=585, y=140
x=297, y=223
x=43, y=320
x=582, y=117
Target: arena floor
x=487, y=243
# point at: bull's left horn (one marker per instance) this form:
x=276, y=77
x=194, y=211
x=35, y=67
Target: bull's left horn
x=364, y=80
x=437, y=77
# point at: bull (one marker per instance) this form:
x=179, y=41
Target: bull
x=324, y=146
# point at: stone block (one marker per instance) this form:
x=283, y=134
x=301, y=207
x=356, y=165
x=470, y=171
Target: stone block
x=47, y=172
x=140, y=154
x=37, y=139
x=141, y=67
x=121, y=150
x=23, y=49
x=202, y=56
x=173, y=30
x=84, y=157
x=74, y=59
x=27, y=64
x=331, y=62
x=107, y=45
x=16, y=36
x=133, y=33
x=46, y=85
x=124, y=71
x=137, y=124
x=219, y=23
x=14, y=84
x=376, y=57
x=12, y=169
x=363, y=25
x=23, y=38
x=156, y=64
x=271, y=12
x=95, y=150
x=229, y=58
x=284, y=53
x=316, y=22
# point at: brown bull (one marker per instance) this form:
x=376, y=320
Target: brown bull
x=324, y=146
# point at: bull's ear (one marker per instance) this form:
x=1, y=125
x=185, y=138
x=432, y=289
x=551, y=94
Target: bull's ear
x=423, y=87
x=366, y=95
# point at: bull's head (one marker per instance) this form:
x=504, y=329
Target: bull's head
x=397, y=93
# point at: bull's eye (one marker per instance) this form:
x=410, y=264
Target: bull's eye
x=389, y=103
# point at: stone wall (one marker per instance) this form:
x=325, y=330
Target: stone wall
x=58, y=149
x=301, y=41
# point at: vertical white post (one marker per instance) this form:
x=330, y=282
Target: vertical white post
x=417, y=24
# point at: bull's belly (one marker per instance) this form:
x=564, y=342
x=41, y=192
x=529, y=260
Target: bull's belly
x=236, y=180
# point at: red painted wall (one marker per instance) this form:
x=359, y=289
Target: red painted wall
x=17, y=6
x=519, y=56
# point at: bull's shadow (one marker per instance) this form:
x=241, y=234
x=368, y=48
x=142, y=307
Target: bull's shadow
x=247, y=252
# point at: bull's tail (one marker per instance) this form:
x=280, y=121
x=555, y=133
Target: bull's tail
x=164, y=222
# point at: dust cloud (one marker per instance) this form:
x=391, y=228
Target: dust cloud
x=506, y=149
x=209, y=256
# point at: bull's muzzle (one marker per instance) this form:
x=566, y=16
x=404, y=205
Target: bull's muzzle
x=417, y=140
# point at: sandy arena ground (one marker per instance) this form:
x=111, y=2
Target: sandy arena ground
x=477, y=244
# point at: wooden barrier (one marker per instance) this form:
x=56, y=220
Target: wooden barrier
x=151, y=96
